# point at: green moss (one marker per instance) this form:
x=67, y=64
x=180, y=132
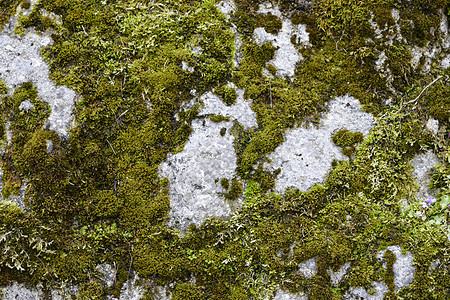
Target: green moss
x=227, y=94
x=345, y=138
x=390, y=258
x=225, y=183
x=218, y=118
x=7, y=10
x=25, y=4
x=235, y=190
x=92, y=290
x=187, y=291
x=272, y=24
x=223, y=131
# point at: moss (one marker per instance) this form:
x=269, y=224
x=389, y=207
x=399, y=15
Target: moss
x=223, y=131
x=227, y=94
x=390, y=258
x=272, y=24
x=218, y=118
x=235, y=190
x=7, y=10
x=225, y=183
x=92, y=290
x=344, y=138
x=25, y=4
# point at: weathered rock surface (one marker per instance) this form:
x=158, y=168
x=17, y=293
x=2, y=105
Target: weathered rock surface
x=313, y=148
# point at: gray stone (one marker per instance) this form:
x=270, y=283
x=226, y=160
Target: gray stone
x=22, y=292
x=306, y=155
x=403, y=267
x=207, y=156
x=108, y=274
x=26, y=105
x=308, y=268
x=227, y=7
x=379, y=289
x=131, y=290
x=284, y=295
x=337, y=276
x=422, y=169
x=286, y=56
x=241, y=111
x=20, y=62
x=433, y=125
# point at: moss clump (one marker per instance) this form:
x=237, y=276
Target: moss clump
x=223, y=131
x=7, y=10
x=224, y=182
x=345, y=138
x=90, y=291
x=218, y=118
x=390, y=258
x=227, y=94
x=235, y=190
x=272, y=24
x=25, y=4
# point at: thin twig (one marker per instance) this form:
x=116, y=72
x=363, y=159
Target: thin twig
x=111, y=147
x=417, y=98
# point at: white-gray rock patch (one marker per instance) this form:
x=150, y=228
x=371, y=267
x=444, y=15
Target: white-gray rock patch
x=26, y=105
x=306, y=155
x=20, y=291
x=207, y=156
x=20, y=62
x=308, y=268
x=337, y=276
x=284, y=295
x=403, y=267
x=286, y=56
x=422, y=168
x=358, y=293
x=241, y=111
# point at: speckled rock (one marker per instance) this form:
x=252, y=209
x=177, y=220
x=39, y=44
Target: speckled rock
x=314, y=150
x=423, y=168
x=308, y=268
x=403, y=267
x=20, y=62
x=20, y=291
x=286, y=56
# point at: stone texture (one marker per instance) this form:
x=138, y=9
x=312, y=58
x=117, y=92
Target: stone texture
x=19, y=291
x=422, y=169
x=283, y=295
x=336, y=277
x=308, y=268
x=379, y=289
x=20, y=62
x=286, y=56
x=314, y=150
x=403, y=267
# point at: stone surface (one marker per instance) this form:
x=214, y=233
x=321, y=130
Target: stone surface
x=286, y=56
x=336, y=277
x=19, y=291
x=194, y=194
x=20, y=62
x=241, y=111
x=314, y=150
x=308, y=268
x=284, y=295
x=403, y=267
x=379, y=289
x=422, y=169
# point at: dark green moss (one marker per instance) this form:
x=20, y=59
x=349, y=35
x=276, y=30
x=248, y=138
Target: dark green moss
x=225, y=183
x=390, y=258
x=235, y=190
x=227, y=94
x=218, y=118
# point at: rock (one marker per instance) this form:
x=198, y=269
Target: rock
x=22, y=292
x=314, y=150
x=207, y=156
x=422, y=169
x=308, y=268
x=379, y=289
x=337, y=276
x=20, y=62
x=403, y=267
x=286, y=56
x=284, y=295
